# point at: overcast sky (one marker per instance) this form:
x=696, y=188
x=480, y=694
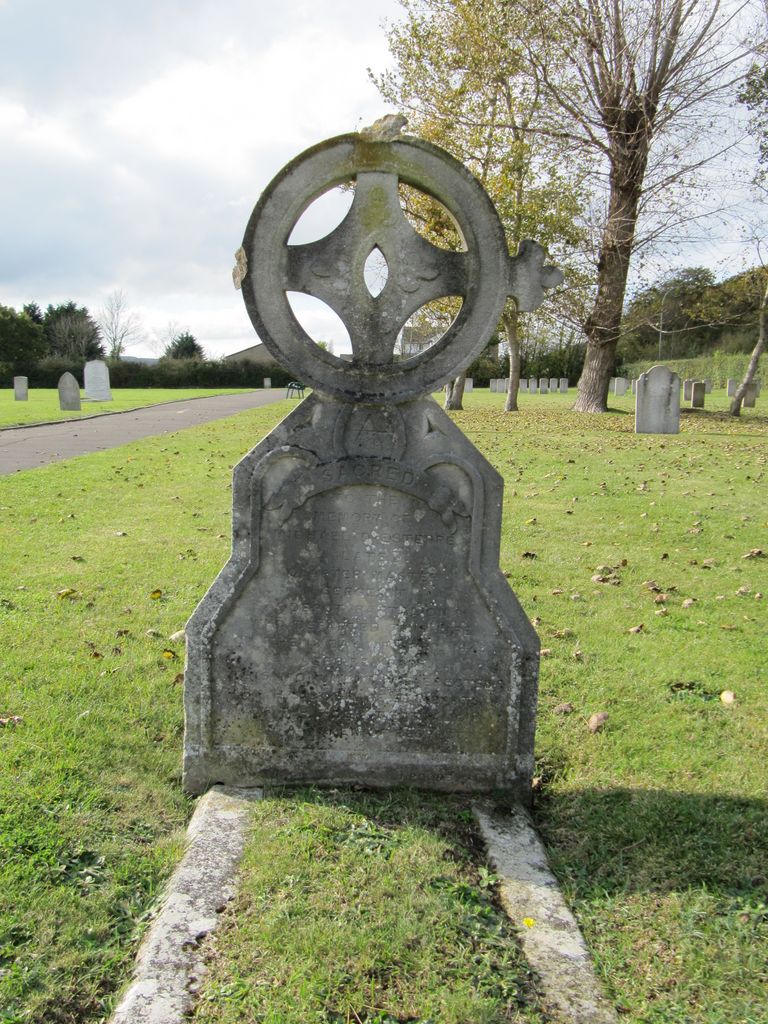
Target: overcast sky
x=136, y=138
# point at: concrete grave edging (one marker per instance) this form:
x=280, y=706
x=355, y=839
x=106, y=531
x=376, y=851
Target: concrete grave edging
x=549, y=935
x=169, y=961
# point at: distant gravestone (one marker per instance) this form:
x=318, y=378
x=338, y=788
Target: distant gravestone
x=523, y=385
x=633, y=385
x=731, y=387
x=21, y=389
x=750, y=395
x=657, y=402
x=563, y=385
x=532, y=385
x=543, y=385
x=620, y=387
x=69, y=393
x=687, y=389
x=708, y=387
x=362, y=630
x=96, y=381
x=759, y=387
x=267, y=383
x=469, y=384
x=698, y=391
x=553, y=383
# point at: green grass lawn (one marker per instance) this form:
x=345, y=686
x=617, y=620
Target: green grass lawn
x=656, y=826
x=42, y=405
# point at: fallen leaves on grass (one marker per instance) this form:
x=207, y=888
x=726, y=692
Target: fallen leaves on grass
x=755, y=553
x=66, y=593
x=156, y=594
x=564, y=709
x=177, y=637
x=9, y=721
x=688, y=602
x=169, y=655
x=637, y=629
x=727, y=697
x=597, y=721
x=154, y=634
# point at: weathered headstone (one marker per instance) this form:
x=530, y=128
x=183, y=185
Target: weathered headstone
x=69, y=393
x=707, y=386
x=362, y=630
x=96, y=381
x=698, y=391
x=523, y=385
x=553, y=383
x=563, y=385
x=267, y=383
x=543, y=385
x=21, y=389
x=750, y=395
x=469, y=384
x=620, y=387
x=657, y=402
x=532, y=385
x=687, y=389
x=731, y=387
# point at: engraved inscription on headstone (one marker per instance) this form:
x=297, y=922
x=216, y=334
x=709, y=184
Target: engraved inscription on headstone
x=657, y=402
x=96, y=381
x=21, y=389
x=69, y=393
x=362, y=630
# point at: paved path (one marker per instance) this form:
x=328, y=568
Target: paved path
x=29, y=447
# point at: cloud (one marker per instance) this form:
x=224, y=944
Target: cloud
x=136, y=143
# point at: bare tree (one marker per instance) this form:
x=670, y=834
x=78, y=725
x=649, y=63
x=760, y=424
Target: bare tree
x=119, y=327
x=754, y=359
x=638, y=82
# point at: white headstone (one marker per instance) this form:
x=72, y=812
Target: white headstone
x=553, y=383
x=69, y=393
x=523, y=385
x=21, y=389
x=532, y=385
x=731, y=387
x=687, y=389
x=543, y=385
x=749, y=396
x=469, y=384
x=563, y=385
x=657, y=402
x=96, y=379
x=267, y=383
x=620, y=387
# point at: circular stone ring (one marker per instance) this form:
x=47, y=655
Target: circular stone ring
x=332, y=268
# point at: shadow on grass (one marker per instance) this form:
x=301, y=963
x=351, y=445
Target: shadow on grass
x=634, y=840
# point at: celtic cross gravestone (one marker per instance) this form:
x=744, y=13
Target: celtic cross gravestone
x=362, y=630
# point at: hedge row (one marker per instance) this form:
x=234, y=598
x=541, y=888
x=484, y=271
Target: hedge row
x=169, y=373
x=717, y=367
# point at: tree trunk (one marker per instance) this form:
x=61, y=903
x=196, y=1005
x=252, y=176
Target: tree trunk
x=603, y=324
x=754, y=359
x=454, y=393
x=509, y=320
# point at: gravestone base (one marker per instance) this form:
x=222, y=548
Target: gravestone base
x=362, y=631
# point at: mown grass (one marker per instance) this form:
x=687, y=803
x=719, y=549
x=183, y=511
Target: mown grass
x=369, y=908
x=656, y=826
x=42, y=406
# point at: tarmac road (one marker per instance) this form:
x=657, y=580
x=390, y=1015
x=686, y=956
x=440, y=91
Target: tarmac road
x=33, y=446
